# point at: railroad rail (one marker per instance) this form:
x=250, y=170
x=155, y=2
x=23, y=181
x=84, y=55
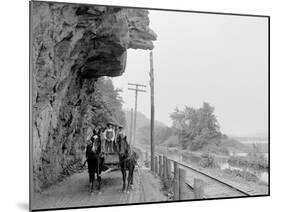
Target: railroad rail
x=195, y=181
x=213, y=186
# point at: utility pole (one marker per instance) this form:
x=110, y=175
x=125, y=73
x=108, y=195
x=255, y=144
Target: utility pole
x=136, y=89
x=151, y=74
x=131, y=125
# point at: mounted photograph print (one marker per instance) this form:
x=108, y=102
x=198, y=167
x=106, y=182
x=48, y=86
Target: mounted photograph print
x=145, y=105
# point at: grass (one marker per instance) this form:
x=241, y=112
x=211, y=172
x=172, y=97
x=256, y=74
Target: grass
x=167, y=186
x=243, y=174
x=257, y=163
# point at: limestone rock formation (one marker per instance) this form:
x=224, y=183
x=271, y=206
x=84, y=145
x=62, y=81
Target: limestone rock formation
x=73, y=45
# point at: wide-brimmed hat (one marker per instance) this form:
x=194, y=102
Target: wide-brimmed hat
x=110, y=123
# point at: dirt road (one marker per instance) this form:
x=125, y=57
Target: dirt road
x=74, y=191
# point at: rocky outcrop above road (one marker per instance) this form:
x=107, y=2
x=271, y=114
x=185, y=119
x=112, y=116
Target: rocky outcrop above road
x=72, y=46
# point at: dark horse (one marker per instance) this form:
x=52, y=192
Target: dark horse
x=95, y=161
x=128, y=161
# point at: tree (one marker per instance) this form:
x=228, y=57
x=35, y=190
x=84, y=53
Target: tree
x=195, y=127
x=106, y=104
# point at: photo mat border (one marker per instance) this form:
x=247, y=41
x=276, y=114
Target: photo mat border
x=146, y=8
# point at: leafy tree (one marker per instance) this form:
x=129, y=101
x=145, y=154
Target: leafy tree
x=195, y=127
x=106, y=104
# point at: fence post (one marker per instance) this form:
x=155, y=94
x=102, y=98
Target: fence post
x=160, y=165
x=164, y=167
x=183, y=188
x=176, y=181
x=168, y=168
x=146, y=156
x=152, y=164
x=156, y=165
x=198, y=188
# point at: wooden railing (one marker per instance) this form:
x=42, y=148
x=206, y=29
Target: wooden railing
x=173, y=171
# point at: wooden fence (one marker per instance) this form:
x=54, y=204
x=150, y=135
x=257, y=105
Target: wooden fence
x=174, y=173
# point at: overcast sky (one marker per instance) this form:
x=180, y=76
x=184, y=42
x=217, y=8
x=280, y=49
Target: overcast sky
x=219, y=59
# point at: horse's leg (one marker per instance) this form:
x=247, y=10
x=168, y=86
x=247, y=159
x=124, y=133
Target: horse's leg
x=132, y=180
x=93, y=182
x=90, y=181
x=89, y=177
x=131, y=174
x=123, y=170
x=129, y=179
x=99, y=182
x=99, y=177
x=129, y=166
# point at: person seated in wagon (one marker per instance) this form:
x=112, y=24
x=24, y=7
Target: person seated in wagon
x=103, y=140
x=109, y=135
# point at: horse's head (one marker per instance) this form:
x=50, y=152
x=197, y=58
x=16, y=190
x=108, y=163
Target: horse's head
x=95, y=144
x=124, y=146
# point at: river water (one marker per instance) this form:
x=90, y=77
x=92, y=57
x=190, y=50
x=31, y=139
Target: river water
x=262, y=175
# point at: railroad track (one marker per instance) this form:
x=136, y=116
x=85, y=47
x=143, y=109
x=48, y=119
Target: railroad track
x=213, y=187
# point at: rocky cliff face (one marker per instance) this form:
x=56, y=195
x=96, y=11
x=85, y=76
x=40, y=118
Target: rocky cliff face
x=72, y=46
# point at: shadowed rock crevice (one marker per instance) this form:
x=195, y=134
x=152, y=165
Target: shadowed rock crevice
x=72, y=46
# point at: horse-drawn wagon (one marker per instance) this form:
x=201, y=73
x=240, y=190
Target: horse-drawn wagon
x=111, y=160
x=100, y=163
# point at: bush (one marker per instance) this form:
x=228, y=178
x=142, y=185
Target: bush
x=197, y=144
x=208, y=160
x=203, y=142
x=256, y=163
x=171, y=141
x=224, y=151
x=191, y=158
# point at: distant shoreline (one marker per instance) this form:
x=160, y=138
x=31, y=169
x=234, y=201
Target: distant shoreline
x=254, y=141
